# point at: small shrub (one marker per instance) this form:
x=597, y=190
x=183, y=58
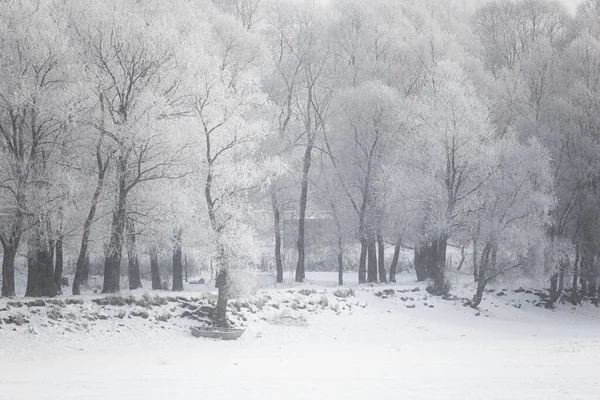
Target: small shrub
x=324, y=302
x=140, y=313
x=54, y=313
x=122, y=314
x=57, y=302
x=384, y=294
x=164, y=316
x=159, y=301
x=307, y=292
x=112, y=300
x=71, y=316
x=16, y=319
x=36, y=303
x=344, y=293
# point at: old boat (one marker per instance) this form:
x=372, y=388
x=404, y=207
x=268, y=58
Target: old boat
x=217, y=333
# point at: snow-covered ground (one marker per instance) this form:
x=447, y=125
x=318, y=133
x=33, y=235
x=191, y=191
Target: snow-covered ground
x=393, y=344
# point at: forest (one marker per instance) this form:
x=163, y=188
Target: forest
x=155, y=139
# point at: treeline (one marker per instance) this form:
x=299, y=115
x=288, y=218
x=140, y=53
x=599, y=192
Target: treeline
x=139, y=127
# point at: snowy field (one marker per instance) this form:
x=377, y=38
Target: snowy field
x=400, y=344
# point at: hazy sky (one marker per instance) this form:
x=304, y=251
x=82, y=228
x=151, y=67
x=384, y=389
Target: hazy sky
x=572, y=4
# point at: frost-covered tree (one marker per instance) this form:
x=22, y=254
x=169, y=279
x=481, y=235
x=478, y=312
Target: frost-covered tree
x=130, y=52
x=228, y=108
x=448, y=157
x=514, y=216
x=39, y=101
x=367, y=127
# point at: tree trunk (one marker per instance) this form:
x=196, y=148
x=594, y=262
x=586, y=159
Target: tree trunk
x=154, y=271
x=306, y=163
x=462, y=257
x=481, y=283
x=553, y=291
x=557, y=282
x=362, y=262
x=561, y=277
x=437, y=266
x=300, y=272
x=133, y=262
x=185, y=268
x=586, y=268
x=112, y=261
x=8, y=269
x=340, y=259
x=177, y=266
x=40, y=270
x=220, y=313
x=277, y=229
x=372, y=257
x=422, y=259
x=482, y=276
x=593, y=279
x=381, y=259
x=58, y=269
x=394, y=265
x=83, y=263
x=340, y=245
x=574, y=295
x=475, y=250
x=85, y=276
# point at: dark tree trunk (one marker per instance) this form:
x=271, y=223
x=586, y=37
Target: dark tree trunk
x=300, y=272
x=394, y=265
x=85, y=276
x=83, y=264
x=381, y=259
x=340, y=259
x=586, y=267
x=58, y=268
x=8, y=269
x=462, y=257
x=112, y=261
x=574, y=288
x=277, y=229
x=185, y=267
x=372, y=257
x=133, y=266
x=220, y=314
x=584, y=287
x=133, y=262
x=482, y=276
x=154, y=271
x=306, y=163
x=177, y=266
x=475, y=255
x=593, y=285
x=557, y=282
x=437, y=267
x=340, y=245
x=420, y=261
x=481, y=283
x=362, y=262
x=40, y=268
